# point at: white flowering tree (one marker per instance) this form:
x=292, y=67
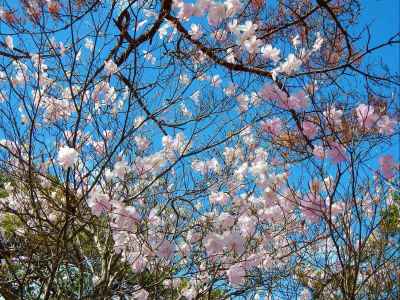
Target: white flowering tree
x=159, y=149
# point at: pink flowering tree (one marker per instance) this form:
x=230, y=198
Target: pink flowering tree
x=196, y=150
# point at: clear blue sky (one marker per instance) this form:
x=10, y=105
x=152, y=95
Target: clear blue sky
x=384, y=17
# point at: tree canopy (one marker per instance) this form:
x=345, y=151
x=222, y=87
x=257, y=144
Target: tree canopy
x=197, y=149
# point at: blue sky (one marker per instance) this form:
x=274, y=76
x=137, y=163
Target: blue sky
x=384, y=17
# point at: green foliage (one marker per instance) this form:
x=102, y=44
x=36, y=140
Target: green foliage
x=390, y=220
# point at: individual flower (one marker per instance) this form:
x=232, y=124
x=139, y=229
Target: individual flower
x=247, y=225
x=318, y=42
x=99, y=202
x=309, y=129
x=163, y=30
x=234, y=242
x=214, y=244
x=319, y=152
x=120, y=169
x=67, y=157
x=245, y=31
x=149, y=57
x=141, y=295
x=111, y=67
x=387, y=166
x=215, y=81
x=236, y=274
x=232, y=7
x=270, y=53
x=296, y=41
x=230, y=90
x=243, y=101
x=216, y=14
x=186, y=10
x=272, y=92
x=312, y=207
x=366, y=116
x=126, y=217
x=189, y=293
x=142, y=143
x=9, y=42
x=252, y=44
x=195, y=31
x=272, y=126
x=53, y=7
x=386, y=125
x=219, y=198
x=297, y=101
x=333, y=115
x=291, y=65
x=165, y=250
x=337, y=152
x=89, y=44
x=220, y=35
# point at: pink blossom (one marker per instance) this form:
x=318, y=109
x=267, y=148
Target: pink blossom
x=139, y=264
x=165, y=250
x=220, y=35
x=99, y=147
x=216, y=14
x=273, y=93
x=247, y=225
x=234, y=242
x=99, y=202
x=193, y=237
x=297, y=102
x=271, y=214
x=236, y=274
x=312, y=207
x=203, y=5
x=215, y=81
x=225, y=220
x=111, y=67
x=252, y=44
x=54, y=7
x=243, y=101
x=142, y=143
x=245, y=31
x=338, y=208
x=195, y=31
x=67, y=157
x=213, y=243
x=387, y=166
x=187, y=10
x=126, y=217
x=366, y=116
x=333, y=115
x=232, y=7
x=272, y=126
x=337, y=152
x=269, y=52
x=189, y=293
x=252, y=261
x=219, y=198
x=386, y=125
x=290, y=66
x=141, y=295
x=120, y=169
x=305, y=295
x=203, y=167
x=309, y=129
x=9, y=42
x=319, y=152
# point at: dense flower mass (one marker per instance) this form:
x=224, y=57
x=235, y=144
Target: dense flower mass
x=196, y=149
x=67, y=156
